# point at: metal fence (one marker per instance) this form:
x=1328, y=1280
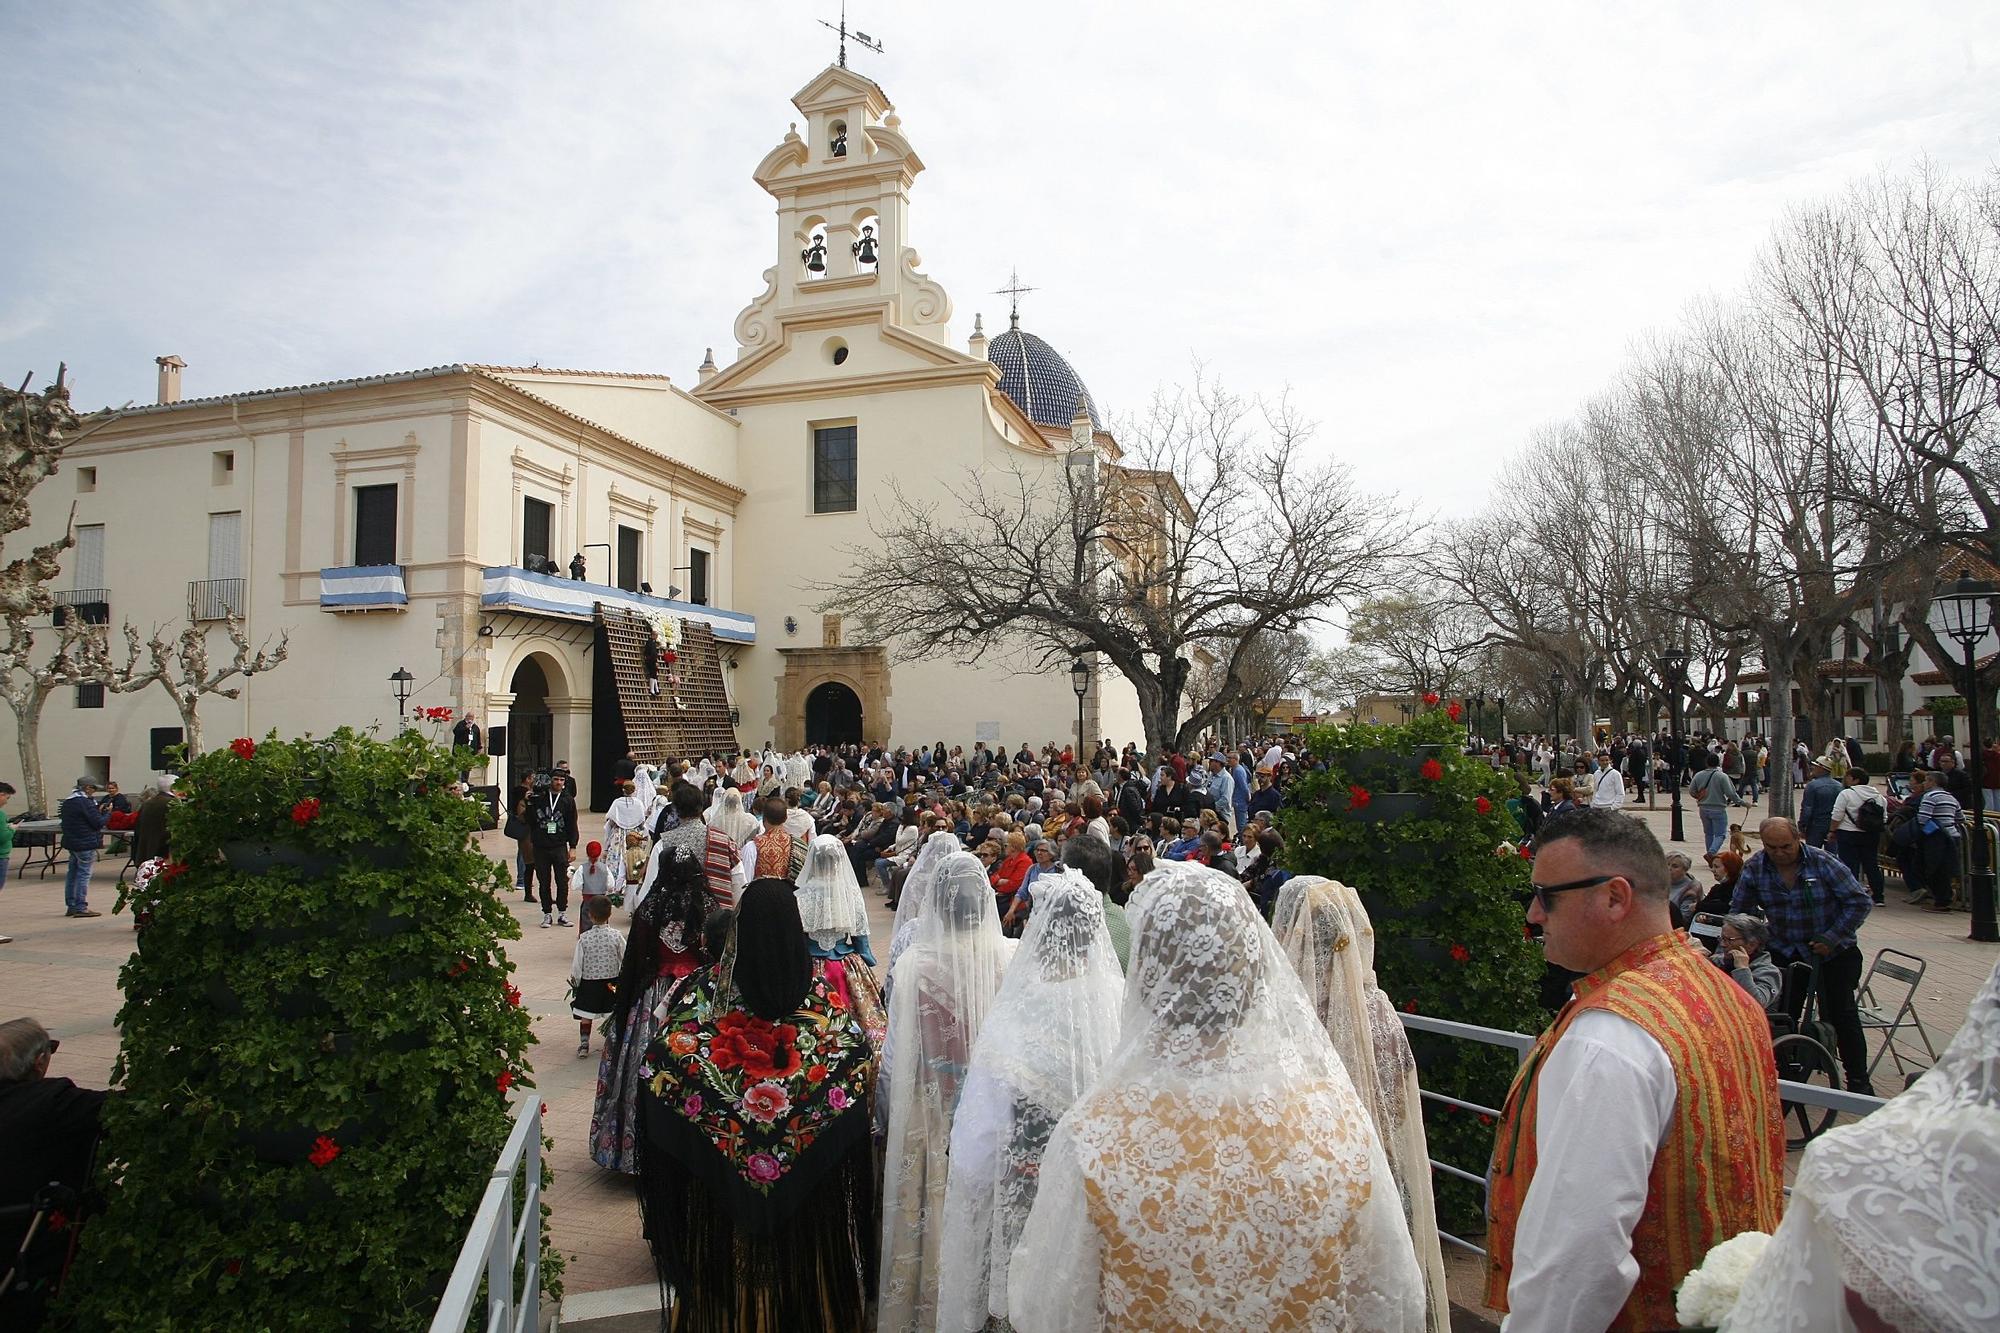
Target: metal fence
x=92, y=606
x=505, y=1241
x=215, y=599
x=1520, y=1043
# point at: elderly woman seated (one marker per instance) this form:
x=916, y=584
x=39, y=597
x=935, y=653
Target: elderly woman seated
x=1745, y=958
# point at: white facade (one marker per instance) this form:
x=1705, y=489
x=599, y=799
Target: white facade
x=174, y=502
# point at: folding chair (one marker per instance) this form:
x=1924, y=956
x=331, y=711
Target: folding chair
x=1875, y=1014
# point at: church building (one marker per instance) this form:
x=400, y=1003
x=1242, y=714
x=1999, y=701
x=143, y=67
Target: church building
x=433, y=522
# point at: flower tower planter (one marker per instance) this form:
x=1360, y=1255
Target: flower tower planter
x=1413, y=823
x=318, y=1041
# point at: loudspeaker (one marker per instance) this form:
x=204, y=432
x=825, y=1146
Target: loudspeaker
x=164, y=739
x=496, y=742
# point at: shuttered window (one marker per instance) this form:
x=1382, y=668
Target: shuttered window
x=375, y=525
x=537, y=518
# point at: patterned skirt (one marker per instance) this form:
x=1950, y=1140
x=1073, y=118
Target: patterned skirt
x=614, y=1117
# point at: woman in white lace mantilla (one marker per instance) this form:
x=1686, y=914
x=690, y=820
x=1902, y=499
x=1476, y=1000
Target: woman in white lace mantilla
x=733, y=820
x=940, y=993
x=1051, y=1029
x=1894, y=1222
x=836, y=924
x=1324, y=929
x=1222, y=1173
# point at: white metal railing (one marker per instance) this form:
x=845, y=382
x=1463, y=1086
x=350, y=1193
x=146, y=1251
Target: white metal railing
x=503, y=1239
x=1804, y=1094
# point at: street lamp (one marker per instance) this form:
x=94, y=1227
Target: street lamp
x=402, y=680
x=1966, y=611
x=1556, y=719
x=1478, y=709
x=1500, y=711
x=1673, y=663
x=1079, y=680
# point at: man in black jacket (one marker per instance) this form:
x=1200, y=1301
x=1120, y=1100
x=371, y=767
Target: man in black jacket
x=82, y=835
x=49, y=1127
x=552, y=828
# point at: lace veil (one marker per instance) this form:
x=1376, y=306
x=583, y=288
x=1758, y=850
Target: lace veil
x=1051, y=1029
x=830, y=903
x=1324, y=929
x=1185, y=1189
x=943, y=987
x=1902, y=1210
x=732, y=820
x=919, y=886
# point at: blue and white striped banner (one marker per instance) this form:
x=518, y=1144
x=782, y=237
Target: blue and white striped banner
x=511, y=588
x=363, y=586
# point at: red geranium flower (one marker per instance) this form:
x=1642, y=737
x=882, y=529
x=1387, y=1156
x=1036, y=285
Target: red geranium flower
x=1485, y=1119
x=1460, y=954
x=1483, y=806
x=233, y=1267
x=1358, y=798
x=505, y=1080
x=514, y=995
x=243, y=748
x=460, y=968
x=1432, y=771
x=1453, y=711
x=1527, y=932
x=174, y=870
x=324, y=1151
x=1431, y=698
x=1409, y=1006
x=1526, y=853
x=306, y=811
x=58, y=1220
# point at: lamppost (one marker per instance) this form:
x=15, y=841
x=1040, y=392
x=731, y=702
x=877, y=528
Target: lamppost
x=1500, y=712
x=1672, y=663
x=1556, y=719
x=1478, y=711
x=1966, y=610
x=402, y=680
x=1079, y=680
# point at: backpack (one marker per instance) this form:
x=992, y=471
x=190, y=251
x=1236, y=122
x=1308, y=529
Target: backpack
x=1871, y=817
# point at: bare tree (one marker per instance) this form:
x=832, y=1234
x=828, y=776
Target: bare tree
x=1276, y=665
x=181, y=667
x=1420, y=645
x=1213, y=529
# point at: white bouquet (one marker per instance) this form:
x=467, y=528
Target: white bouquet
x=1710, y=1291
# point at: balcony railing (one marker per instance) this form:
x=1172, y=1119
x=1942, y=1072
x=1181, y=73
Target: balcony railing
x=511, y=588
x=215, y=599
x=363, y=588
x=92, y=606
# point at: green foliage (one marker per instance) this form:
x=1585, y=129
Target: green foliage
x=1945, y=705
x=355, y=999
x=1448, y=912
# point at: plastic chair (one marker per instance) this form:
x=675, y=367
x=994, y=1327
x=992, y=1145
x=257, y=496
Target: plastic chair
x=1908, y=972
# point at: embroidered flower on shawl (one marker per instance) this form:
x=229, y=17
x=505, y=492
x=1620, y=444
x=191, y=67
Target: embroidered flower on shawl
x=324, y=1150
x=1483, y=806
x=836, y=1097
x=692, y=1105
x=1358, y=798
x=765, y=1102
x=243, y=748
x=763, y=1166
x=1432, y=771
x=815, y=1073
x=683, y=1043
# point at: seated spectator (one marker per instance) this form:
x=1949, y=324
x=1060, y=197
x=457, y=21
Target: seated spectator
x=1012, y=870
x=1745, y=958
x=50, y=1127
x=1682, y=891
x=1725, y=866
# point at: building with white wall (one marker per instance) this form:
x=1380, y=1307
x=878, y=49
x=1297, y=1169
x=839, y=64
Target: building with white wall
x=401, y=521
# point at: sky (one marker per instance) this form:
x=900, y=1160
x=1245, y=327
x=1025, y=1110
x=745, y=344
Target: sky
x=1437, y=226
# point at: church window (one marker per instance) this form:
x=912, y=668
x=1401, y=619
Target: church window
x=375, y=525
x=628, y=558
x=697, y=576
x=537, y=522
x=834, y=474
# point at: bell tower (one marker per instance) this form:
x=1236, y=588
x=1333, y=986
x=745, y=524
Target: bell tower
x=843, y=194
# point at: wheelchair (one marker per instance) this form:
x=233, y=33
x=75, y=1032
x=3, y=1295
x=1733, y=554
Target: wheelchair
x=1803, y=1045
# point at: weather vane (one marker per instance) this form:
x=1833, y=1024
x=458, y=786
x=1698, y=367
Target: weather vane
x=860, y=38
x=1013, y=291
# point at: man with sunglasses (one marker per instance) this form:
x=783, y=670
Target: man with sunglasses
x=1643, y=1128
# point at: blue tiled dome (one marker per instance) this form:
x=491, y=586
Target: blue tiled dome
x=1039, y=380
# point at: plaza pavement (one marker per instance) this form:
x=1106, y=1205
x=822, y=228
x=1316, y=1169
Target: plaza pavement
x=65, y=972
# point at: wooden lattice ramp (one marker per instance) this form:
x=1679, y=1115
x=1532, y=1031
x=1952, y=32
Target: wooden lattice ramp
x=655, y=729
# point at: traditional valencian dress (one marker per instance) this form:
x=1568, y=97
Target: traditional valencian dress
x=835, y=917
x=756, y=1167
x=1720, y=1169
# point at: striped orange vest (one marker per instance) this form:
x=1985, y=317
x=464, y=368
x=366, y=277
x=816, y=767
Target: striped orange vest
x=1720, y=1169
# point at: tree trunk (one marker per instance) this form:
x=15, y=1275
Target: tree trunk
x=28, y=742
x=1780, y=792
x=190, y=710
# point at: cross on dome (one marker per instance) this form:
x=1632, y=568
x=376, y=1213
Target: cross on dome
x=1013, y=291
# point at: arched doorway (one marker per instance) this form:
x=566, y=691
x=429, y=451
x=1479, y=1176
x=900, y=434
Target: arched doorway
x=531, y=727
x=833, y=715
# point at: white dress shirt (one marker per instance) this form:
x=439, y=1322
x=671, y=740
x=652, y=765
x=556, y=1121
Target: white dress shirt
x=1604, y=1099
x=1609, y=794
